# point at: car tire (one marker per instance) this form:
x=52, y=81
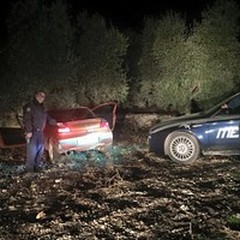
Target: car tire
x=182, y=147
x=53, y=152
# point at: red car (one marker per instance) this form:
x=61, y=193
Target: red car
x=81, y=129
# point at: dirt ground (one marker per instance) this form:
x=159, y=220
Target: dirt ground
x=128, y=194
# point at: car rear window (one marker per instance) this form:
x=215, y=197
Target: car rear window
x=71, y=114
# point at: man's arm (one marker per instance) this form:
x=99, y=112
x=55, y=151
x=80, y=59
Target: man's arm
x=51, y=120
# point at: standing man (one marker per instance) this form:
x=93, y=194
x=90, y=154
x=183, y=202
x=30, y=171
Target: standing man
x=34, y=120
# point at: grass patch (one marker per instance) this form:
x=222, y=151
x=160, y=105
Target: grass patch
x=233, y=221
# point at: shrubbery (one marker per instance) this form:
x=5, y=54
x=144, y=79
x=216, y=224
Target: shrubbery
x=86, y=61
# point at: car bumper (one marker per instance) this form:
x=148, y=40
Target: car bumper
x=95, y=141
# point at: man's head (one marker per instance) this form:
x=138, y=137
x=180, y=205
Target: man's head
x=40, y=96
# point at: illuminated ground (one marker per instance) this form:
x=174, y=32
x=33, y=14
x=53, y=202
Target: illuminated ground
x=130, y=194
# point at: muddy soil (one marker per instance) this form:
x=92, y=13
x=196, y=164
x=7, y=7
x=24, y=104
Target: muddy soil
x=128, y=194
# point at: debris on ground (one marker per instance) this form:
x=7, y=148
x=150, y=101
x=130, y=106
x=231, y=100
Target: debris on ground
x=127, y=194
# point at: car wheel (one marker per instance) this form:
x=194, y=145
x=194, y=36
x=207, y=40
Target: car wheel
x=53, y=151
x=182, y=147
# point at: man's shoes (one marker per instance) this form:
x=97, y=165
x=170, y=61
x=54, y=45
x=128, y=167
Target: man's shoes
x=29, y=170
x=37, y=169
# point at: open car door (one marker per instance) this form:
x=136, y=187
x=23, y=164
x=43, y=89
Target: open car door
x=12, y=136
x=107, y=111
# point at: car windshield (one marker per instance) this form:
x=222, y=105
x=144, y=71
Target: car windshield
x=67, y=115
x=231, y=101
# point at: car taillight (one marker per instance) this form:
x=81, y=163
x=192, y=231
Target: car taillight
x=104, y=124
x=64, y=130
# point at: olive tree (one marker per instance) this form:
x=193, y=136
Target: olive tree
x=162, y=62
x=100, y=50
x=179, y=62
x=214, y=52
x=40, y=54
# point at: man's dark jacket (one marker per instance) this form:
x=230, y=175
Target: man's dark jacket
x=35, y=117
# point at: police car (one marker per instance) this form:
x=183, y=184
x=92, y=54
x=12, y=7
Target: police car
x=212, y=132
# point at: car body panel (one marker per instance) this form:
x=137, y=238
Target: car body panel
x=217, y=132
x=107, y=111
x=11, y=137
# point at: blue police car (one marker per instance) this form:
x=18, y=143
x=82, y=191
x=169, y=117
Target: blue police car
x=212, y=132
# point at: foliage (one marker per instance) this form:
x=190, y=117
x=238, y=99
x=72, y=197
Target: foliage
x=148, y=67
x=162, y=64
x=133, y=69
x=92, y=61
x=180, y=63
x=40, y=52
x=169, y=51
x=81, y=65
x=213, y=52
x=234, y=221
x=100, y=51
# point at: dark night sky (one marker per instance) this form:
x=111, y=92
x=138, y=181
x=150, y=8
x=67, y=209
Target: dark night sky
x=127, y=13
x=123, y=13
